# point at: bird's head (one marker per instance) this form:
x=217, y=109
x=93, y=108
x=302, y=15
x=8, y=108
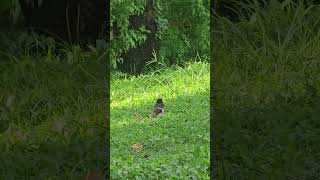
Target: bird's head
x=159, y=100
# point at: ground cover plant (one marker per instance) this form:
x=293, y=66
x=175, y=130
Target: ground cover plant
x=266, y=86
x=175, y=146
x=52, y=115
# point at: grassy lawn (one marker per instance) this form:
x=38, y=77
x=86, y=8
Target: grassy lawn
x=52, y=119
x=175, y=146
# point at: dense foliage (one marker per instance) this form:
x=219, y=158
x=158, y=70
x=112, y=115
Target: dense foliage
x=266, y=83
x=183, y=29
x=127, y=37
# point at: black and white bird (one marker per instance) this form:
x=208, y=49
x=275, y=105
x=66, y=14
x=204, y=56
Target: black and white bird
x=158, y=108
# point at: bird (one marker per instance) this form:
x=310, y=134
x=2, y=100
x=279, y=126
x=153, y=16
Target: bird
x=158, y=108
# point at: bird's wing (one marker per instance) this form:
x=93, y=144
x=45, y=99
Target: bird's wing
x=157, y=110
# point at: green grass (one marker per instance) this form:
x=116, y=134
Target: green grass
x=175, y=146
x=52, y=119
x=267, y=89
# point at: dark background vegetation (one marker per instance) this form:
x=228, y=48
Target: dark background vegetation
x=53, y=89
x=234, y=9
x=157, y=33
x=144, y=33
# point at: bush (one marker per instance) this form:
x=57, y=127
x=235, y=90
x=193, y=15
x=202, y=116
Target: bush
x=183, y=30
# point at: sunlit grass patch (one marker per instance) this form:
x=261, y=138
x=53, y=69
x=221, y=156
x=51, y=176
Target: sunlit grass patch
x=174, y=146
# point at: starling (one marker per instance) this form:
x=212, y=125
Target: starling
x=159, y=108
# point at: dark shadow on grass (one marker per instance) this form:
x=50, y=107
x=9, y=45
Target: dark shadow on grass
x=42, y=90
x=279, y=141
x=54, y=160
x=34, y=90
